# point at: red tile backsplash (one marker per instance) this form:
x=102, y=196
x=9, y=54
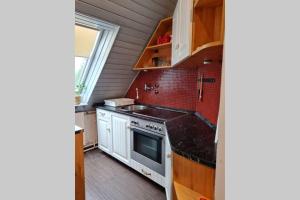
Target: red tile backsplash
x=209, y=106
x=178, y=89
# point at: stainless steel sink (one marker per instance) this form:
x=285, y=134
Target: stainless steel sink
x=134, y=107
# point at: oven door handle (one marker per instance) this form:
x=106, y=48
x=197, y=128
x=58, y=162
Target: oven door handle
x=147, y=132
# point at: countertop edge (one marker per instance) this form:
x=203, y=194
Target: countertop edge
x=78, y=129
x=197, y=160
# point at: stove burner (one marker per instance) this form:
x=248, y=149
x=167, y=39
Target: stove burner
x=160, y=113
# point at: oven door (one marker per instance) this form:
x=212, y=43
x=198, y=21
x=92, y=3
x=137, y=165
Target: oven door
x=148, y=149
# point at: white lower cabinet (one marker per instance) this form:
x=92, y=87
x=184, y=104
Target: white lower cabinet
x=114, y=139
x=114, y=134
x=104, y=131
x=121, y=137
x=104, y=135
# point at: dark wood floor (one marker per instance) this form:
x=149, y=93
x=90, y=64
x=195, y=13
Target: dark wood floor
x=108, y=179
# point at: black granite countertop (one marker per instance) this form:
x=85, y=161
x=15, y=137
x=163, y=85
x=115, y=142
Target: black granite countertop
x=190, y=135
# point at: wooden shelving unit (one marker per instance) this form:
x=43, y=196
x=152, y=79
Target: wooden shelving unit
x=162, y=50
x=207, y=34
x=208, y=22
x=207, y=38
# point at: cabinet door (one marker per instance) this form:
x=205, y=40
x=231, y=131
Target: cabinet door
x=103, y=135
x=185, y=39
x=182, y=31
x=120, y=137
x=175, y=34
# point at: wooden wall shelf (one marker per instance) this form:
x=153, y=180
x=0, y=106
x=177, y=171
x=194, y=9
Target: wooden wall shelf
x=163, y=51
x=210, y=53
x=207, y=46
x=151, y=68
x=160, y=46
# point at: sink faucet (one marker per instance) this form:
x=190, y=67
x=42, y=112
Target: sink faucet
x=148, y=87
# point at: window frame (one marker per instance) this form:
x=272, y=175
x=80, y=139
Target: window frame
x=99, y=54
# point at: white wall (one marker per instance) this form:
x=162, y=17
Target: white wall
x=220, y=168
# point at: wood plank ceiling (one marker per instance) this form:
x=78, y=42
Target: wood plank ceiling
x=137, y=20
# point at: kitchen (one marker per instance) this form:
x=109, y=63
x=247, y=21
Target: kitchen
x=149, y=79
x=149, y=110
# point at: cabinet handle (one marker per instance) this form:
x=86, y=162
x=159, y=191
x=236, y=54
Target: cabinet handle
x=177, y=46
x=108, y=129
x=103, y=114
x=169, y=155
x=128, y=126
x=146, y=173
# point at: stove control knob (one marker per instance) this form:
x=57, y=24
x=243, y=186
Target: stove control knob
x=159, y=128
x=147, y=126
x=155, y=127
x=151, y=126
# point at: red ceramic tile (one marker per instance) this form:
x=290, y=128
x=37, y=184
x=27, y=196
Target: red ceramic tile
x=178, y=89
x=209, y=106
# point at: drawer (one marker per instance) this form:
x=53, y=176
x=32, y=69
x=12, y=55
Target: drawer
x=156, y=177
x=103, y=114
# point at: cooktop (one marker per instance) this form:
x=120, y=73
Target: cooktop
x=160, y=113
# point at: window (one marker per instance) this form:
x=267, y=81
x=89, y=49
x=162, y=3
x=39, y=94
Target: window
x=80, y=64
x=85, y=40
x=93, y=42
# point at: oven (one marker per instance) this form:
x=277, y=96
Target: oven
x=148, y=148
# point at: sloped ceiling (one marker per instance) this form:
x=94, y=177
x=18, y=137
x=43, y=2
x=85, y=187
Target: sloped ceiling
x=137, y=20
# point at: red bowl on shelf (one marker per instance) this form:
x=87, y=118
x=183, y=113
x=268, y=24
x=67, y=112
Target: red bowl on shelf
x=163, y=39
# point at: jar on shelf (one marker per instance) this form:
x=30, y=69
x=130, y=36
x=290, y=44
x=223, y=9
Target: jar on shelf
x=155, y=58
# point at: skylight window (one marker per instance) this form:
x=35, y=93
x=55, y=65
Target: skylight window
x=80, y=64
x=85, y=41
x=93, y=41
